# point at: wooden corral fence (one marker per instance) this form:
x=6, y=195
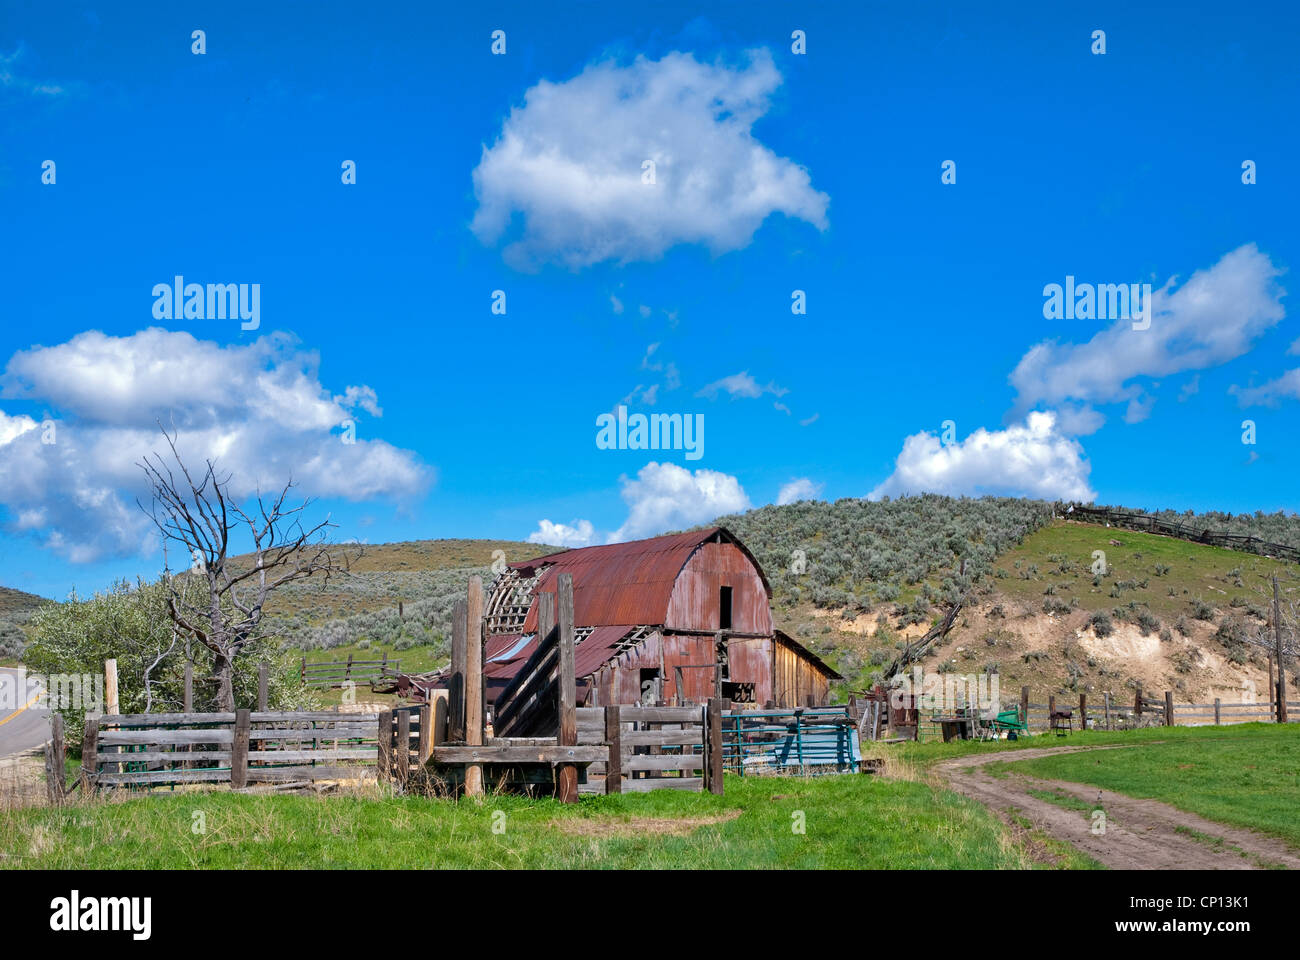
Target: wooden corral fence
x=335, y=673
x=878, y=720
x=654, y=748
x=1183, y=531
x=803, y=740
x=1105, y=712
x=240, y=748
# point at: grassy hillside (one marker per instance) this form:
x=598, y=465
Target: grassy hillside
x=397, y=599
x=16, y=607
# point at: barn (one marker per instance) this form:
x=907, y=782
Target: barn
x=677, y=618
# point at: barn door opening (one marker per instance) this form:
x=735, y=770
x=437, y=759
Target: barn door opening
x=651, y=686
x=724, y=608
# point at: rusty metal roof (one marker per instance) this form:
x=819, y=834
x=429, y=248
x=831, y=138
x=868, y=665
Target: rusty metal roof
x=621, y=583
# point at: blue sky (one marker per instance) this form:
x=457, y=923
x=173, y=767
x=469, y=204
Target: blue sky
x=522, y=172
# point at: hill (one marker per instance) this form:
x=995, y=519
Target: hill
x=16, y=607
x=856, y=579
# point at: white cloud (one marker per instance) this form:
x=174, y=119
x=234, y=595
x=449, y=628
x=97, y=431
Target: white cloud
x=801, y=488
x=740, y=385
x=1268, y=394
x=575, y=534
x=1214, y=317
x=11, y=80
x=260, y=410
x=1031, y=459
x=616, y=304
x=665, y=497
x=570, y=162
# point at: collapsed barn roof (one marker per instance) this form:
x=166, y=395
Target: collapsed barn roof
x=622, y=583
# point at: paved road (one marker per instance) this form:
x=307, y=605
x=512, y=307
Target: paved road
x=26, y=727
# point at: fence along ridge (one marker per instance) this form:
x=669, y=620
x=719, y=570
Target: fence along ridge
x=1149, y=523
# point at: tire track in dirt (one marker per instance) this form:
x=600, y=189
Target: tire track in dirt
x=1139, y=834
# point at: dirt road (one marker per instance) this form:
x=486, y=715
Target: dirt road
x=1139, y=834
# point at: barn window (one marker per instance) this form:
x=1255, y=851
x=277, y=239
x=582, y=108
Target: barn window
x=724, y=608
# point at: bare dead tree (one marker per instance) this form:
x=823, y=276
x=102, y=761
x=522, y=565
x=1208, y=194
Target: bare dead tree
x=201, y=515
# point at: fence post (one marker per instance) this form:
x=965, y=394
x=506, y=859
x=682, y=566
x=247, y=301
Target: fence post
x=1051, y=708
x=263, y=687
x=456, y=681
x=189, y=688
x=402, y=749
x=474, y=682
x=1024, y=706
x=439, y=722
x=1169, y=708
x=566, y=784
x=89, y=758
x=239, y=750
x=1216, y=711
x=385, y=740
x=302, y=671
x=347, y=672
x=1107, y=709
x=1137, y=707
x=1083, y=711
x=426, y=734
x=614, y=737
x=110, y=687
x=714, y=746
x=55, y=779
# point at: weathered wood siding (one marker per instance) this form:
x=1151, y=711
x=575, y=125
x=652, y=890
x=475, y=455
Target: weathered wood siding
x=693, y=604
x=750, y=661
x=794, y=678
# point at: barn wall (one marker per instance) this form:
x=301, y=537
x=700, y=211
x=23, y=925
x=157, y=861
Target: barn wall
x=750, y=661
x=693, y=604
x=793, y=678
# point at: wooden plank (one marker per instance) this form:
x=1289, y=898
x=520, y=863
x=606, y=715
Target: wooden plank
x=426, y=733
x=385, y=763
x=274, y=774
x=402, y=748
x=660, y=714
x=370, y=754
x=713, y=742
x=613, y=737
x=89, y=769
x=474, y=681
x=166, y=756
x=540, y=754
x=663, y=783
x=239, y=750
x=110, y=686
x=318, y=716
x=157, y=777
x=119, y=738
x=456, y=679
x=666, y=761
x=55, y=757
x=566, y=694
x=664, y=738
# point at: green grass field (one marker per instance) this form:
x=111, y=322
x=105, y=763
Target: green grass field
x=849, y=821
x=1245, y=776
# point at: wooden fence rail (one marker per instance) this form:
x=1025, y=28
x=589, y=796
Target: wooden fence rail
x=165, y=749
x=335, y=673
